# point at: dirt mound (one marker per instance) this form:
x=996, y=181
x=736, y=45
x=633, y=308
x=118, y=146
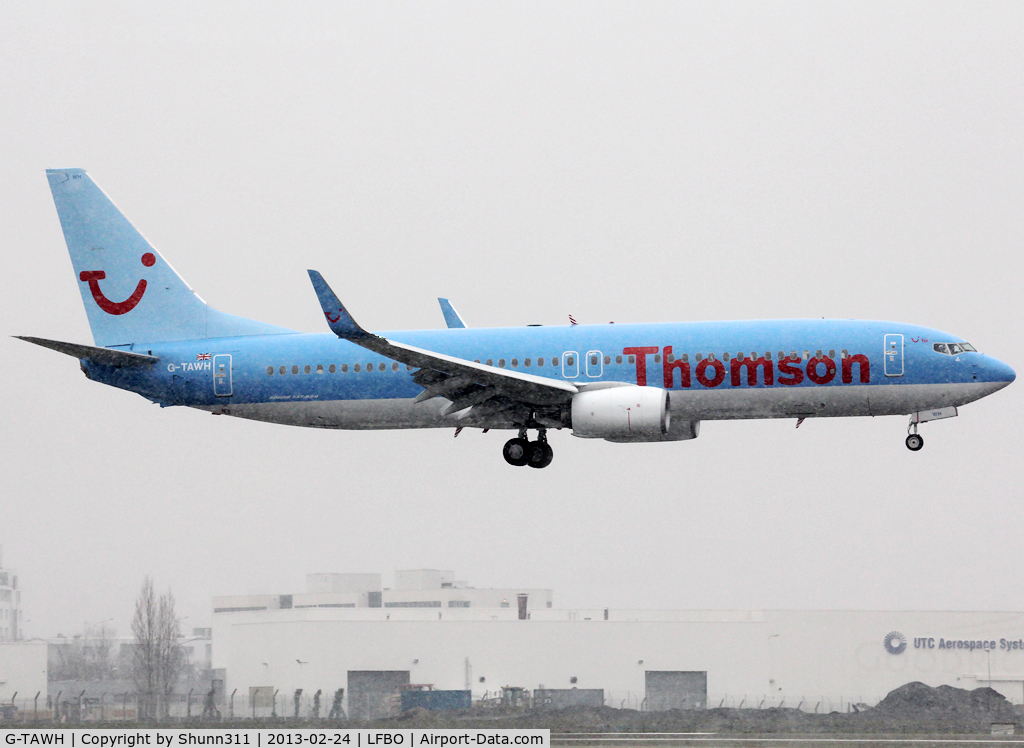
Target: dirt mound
x=917, y=698
x=914, y=708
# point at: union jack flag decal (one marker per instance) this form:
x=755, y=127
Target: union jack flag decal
x=202, y=357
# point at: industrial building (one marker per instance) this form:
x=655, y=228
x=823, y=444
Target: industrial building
x=345, y=632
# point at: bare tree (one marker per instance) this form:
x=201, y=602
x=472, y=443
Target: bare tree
x=157, y=658
x=88, y=656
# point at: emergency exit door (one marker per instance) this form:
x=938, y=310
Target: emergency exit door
x=893, y=355
x=222, y=375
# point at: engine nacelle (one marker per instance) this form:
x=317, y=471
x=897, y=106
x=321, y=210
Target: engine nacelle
x=629, y=413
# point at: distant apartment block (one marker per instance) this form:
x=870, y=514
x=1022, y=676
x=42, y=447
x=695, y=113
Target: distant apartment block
x=10, y=604
x=419, y=588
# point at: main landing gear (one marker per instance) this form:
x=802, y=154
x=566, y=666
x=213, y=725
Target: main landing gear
x=521, y=451
x=914, y=440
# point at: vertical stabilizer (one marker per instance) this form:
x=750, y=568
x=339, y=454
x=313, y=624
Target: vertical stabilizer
x=131, y=293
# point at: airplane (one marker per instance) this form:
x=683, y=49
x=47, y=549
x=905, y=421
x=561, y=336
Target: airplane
x=153, y=335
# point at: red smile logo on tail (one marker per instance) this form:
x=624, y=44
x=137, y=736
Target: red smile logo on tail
x=93, y=278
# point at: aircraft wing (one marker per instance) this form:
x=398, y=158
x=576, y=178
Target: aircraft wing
x=468, y=385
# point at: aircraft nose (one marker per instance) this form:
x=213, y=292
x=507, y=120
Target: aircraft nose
x=996, y=371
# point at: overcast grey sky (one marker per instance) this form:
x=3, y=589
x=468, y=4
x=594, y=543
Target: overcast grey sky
x=616, y=161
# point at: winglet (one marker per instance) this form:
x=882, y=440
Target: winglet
x=338, y=318
x=451, y=317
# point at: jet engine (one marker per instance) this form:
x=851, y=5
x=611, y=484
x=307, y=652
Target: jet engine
x=628, y=413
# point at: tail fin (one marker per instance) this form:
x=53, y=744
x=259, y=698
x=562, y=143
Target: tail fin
x=131, y=294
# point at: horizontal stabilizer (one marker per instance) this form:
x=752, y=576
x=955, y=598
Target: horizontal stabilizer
x=107, y=356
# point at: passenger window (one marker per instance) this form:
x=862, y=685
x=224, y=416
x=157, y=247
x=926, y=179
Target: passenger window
x=408, y=367
x=270, y=371
x=593, y=360
x=527, y=362
x=817, y=353
x=490, y=362
x=793, y=355
x=685, y=358
x=570, y=360
x=607, y=360
x=657, y=358
x=281, y=370
x=381, y=367
x=319, y=368
x=295, y=370
x=554, y=360
x=501, y=363
x=540, y=362
x=618, y=359
x=632, y=359
x=357, y=368
x=344, y=368
x=768, y=355
x=844, y=353
x=333, y=368
x=306, y=369
x=807, y=354
x=515, y=363
x=725, y=357
x=394, y=367
x=700, y=357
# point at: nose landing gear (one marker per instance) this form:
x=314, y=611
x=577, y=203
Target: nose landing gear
x=914, y=440
x=521, y=451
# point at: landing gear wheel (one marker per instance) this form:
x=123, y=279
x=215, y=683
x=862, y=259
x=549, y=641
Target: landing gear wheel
x=541, y=454
x=915, y=442
x=516, y=452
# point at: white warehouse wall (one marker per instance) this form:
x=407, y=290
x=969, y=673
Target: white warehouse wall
x=22, y=669
x=780, y=657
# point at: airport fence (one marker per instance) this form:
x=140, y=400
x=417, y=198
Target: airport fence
x=81, y=708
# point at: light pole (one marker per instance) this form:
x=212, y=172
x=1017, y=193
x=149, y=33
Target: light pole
x=988, y=696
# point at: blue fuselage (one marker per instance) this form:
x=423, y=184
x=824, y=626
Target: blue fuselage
x=746, y=369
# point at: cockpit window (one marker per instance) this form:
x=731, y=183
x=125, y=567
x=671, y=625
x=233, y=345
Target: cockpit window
x=968, y=347
x=940, y=348
x=953, y=349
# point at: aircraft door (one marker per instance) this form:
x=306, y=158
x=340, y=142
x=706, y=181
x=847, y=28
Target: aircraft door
x=222, y=375
x=893, y=355
x=570, y=365
x=595, y=365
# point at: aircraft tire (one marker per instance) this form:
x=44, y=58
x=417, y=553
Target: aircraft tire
x=915, y=442
x=516, y=452
x=541, y=454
